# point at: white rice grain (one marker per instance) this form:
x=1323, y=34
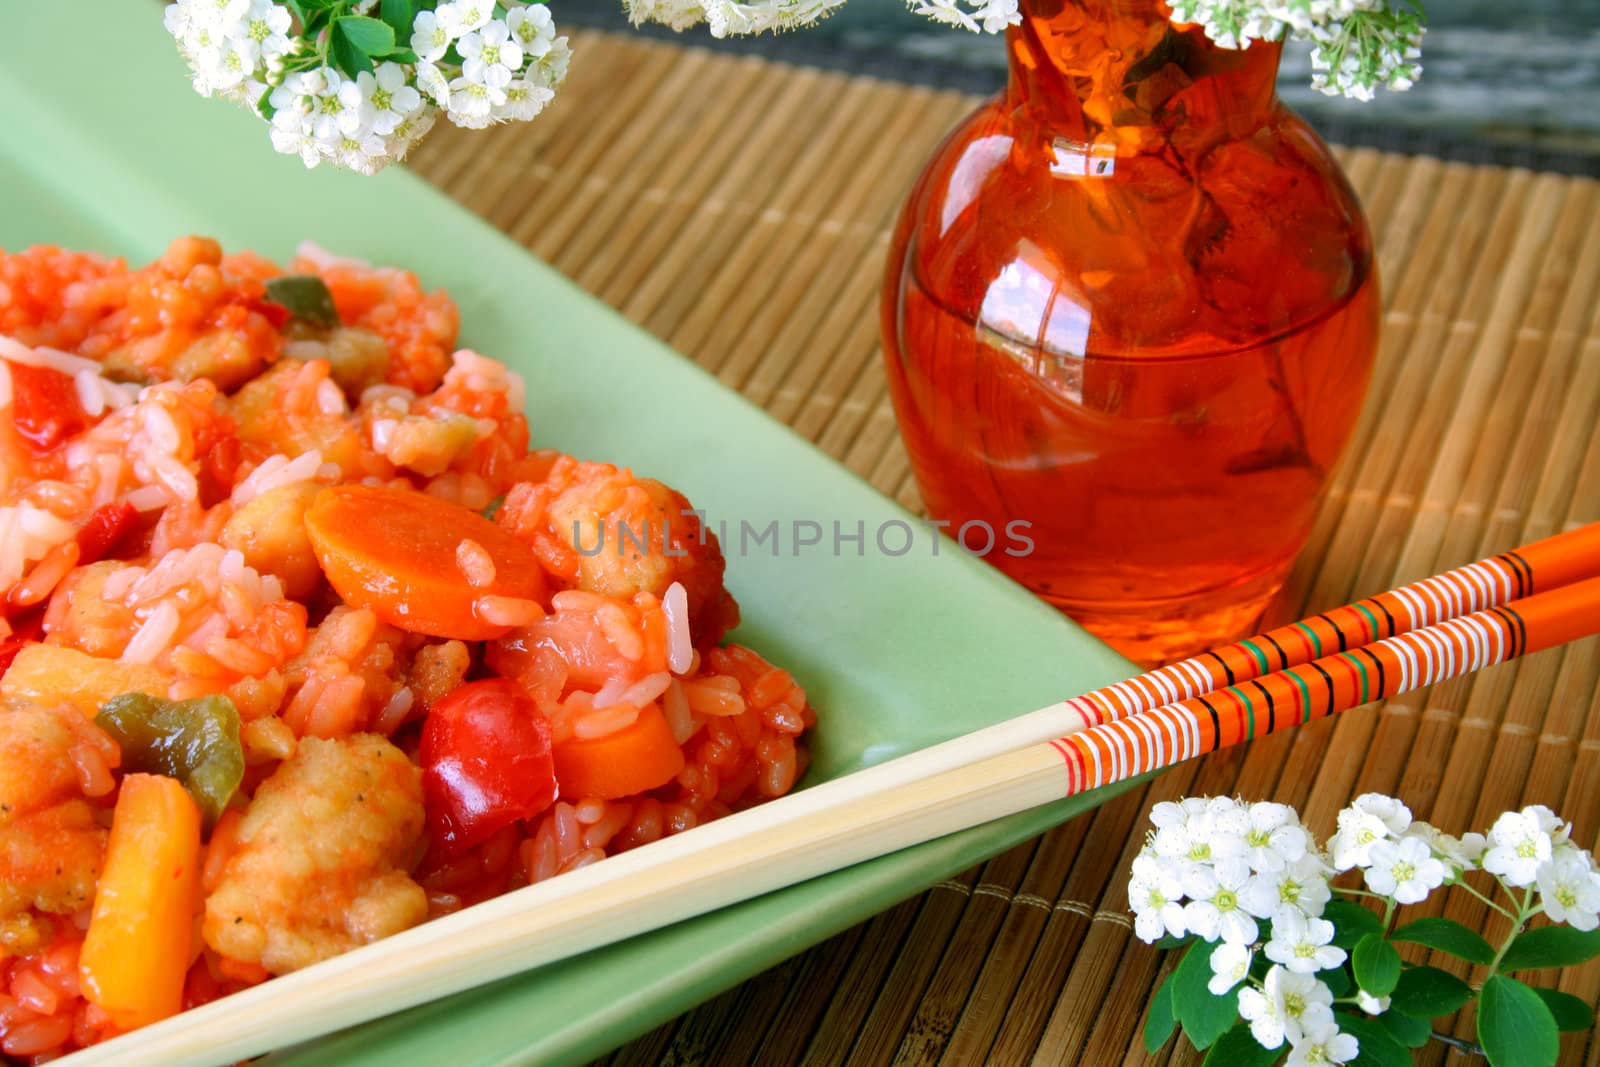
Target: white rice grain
x=675, y=705
x=153, y=635
x=147, y=497
x=323, y=258
x=275, y=472
x=330, y=398
x=16, y=352
x=637, y=693
x=680, y=649
x=90, y=398
x=161, y=431
x=475, y=563
x=507, y=610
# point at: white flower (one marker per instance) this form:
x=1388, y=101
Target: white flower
x=366, y=153
x=1285, y=1007
x=1323, y=1045
x=1370, y=818
x=1560, y=832
x=390, y=96
x=466, y=16
x=1518, y=843
x=490, y=56
x=403, y=136
x=1230, y=964
x=1155, y=893
x=217, y=12
x=267, y=25
x=1405, y=870
x=1200, y=831
x=524, y=100
x=1370, y=1004
x=1301, y=943
x=337, y=109
x=992, y=16
x=1569, y=888
x=1214, y=909
x=1273, y=837
x=296, y=140
x=233, y=63
x=533, y=29
x=472, y=102
x=430, y=38
x=433, y=84
x=1302, y=885
x=1459, y=853
x=552, y=66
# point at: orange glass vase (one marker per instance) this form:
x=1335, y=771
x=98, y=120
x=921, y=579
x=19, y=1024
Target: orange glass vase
x=1131, y=302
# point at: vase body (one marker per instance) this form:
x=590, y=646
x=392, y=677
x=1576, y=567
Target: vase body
x=1131, y=303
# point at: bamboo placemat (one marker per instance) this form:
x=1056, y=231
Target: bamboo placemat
x=740, y=209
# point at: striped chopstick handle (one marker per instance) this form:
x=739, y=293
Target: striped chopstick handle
x=1114, y=750
x=1500, y=579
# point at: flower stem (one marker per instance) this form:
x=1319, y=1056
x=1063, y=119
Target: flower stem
x=1359, y=893
x=1458, y=1044
x=1502, y=909
x=1525, y=911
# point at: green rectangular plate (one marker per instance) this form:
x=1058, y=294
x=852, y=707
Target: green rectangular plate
x=104, y=146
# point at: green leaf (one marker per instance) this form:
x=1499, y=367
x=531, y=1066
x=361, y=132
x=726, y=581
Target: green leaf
x=1515, y=1027
x=1446, y=935
x=1406, y=1029
x=1203, y=1015
x=1376, y=965
x=1337, y=979
x=1378, y=1048
x=1160, y=1023
x=1237, y=1048
x=350, y=60
x=370, y=35
x=1351, y=922
x=1428, y=992
x=1169, y=942
x=402, y=55
x=264, y=106
x=1550, y=946
x=400, y=16
x=1571, y=1014
x=305, y=297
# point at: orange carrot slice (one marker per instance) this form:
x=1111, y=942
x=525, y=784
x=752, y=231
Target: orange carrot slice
x=395, y=551
x=137, y=950
x=637, y=757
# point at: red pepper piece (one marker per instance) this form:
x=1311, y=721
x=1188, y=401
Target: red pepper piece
x=26, y=629
x=105, y=532
x=486, y=763
x=44, y=405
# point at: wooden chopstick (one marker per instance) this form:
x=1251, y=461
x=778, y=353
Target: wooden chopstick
x=822, y=829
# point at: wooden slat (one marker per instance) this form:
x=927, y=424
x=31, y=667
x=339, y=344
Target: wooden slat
x=741, y=210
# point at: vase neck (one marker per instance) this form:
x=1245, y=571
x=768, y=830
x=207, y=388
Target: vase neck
x=1118, y=77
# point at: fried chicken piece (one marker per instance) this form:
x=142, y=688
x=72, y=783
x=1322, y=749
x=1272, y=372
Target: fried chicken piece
x=323, y=851
x=50, y=845
x=601, y=529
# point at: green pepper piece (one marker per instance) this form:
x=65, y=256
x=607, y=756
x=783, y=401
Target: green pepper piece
x=195, y=741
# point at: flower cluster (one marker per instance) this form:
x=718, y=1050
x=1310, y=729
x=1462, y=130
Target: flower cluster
x=340, y=86
x=1357, y=46
x=1250, y=883
x=235, y=48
